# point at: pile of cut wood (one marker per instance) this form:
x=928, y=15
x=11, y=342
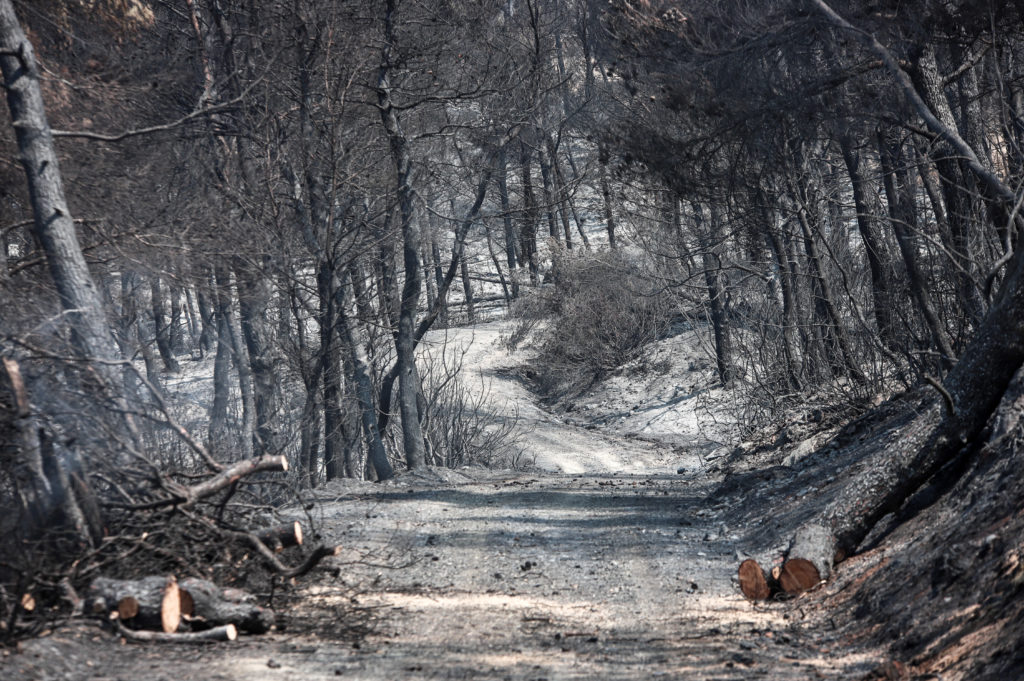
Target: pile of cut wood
x=160, y=608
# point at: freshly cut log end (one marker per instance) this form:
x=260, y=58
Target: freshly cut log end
x=282, y=536
x=170, y=607
x=798, y=575
x=752, y=581
x=28, y=602
x=155, y=600
x=810, y=558
x=188, y=606
x=127, y=607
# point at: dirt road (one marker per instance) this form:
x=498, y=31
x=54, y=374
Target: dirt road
x=603, y=563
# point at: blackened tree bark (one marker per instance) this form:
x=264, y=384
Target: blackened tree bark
x=549, y=194
x=787, y=286
x=330, y=349
x=163, y=334
x=174, y=335
x=898, y=191
x=528, y=230
x=959, y=186
x=971, y=392
x=561, y=195
x=206, y=316
x=711, y=248
x=405, y=345
x=866, y=223
x=52, y=225
x=219, y=433
x=606, y=193
x=54, y=230
x=362, y=377
x=834, y=333
x=255, y=293
x=506, y=218
x=131, y=328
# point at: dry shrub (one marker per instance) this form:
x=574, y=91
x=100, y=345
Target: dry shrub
x=595, y=313
x=461, y=424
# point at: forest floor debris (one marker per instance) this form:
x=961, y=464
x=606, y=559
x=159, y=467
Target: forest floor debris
x=600, y=561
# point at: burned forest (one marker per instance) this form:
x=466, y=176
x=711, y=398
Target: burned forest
x=511, y=339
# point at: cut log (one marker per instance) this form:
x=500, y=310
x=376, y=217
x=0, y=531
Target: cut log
x=282, y=536
x=188, y=606
x=809, y=559
x=214, y=606
x=227, y=632
x=157, y=599
x=752, y=581
x=798, y=575
x=127, y=608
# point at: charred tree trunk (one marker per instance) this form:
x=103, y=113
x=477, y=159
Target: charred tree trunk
x=790, y=334
x=467, y=291
x=506, y=217
x=174, y=335
x=528, y=231
x=408, y=377
x=52, y=224
x=438, y=280
x=254, y=303
x=507, y=292
x=866, y=223
x=193, y=321
x=161, y=328
x=606, y=193
x=220, y=439
x=549, y=194
x=206, y=316
x=898, y=188
x=824, y=296
x=959, y=187
x=561, y=194
x=149, y=603
x=362, y=377
x=711, y=251
x=334, y=441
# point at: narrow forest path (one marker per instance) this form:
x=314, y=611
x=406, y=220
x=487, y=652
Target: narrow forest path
x=552, y=444
x=601, y=563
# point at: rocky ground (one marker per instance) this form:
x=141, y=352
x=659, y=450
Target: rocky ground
x=613, y=557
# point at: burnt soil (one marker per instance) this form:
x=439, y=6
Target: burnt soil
x=621, y=568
